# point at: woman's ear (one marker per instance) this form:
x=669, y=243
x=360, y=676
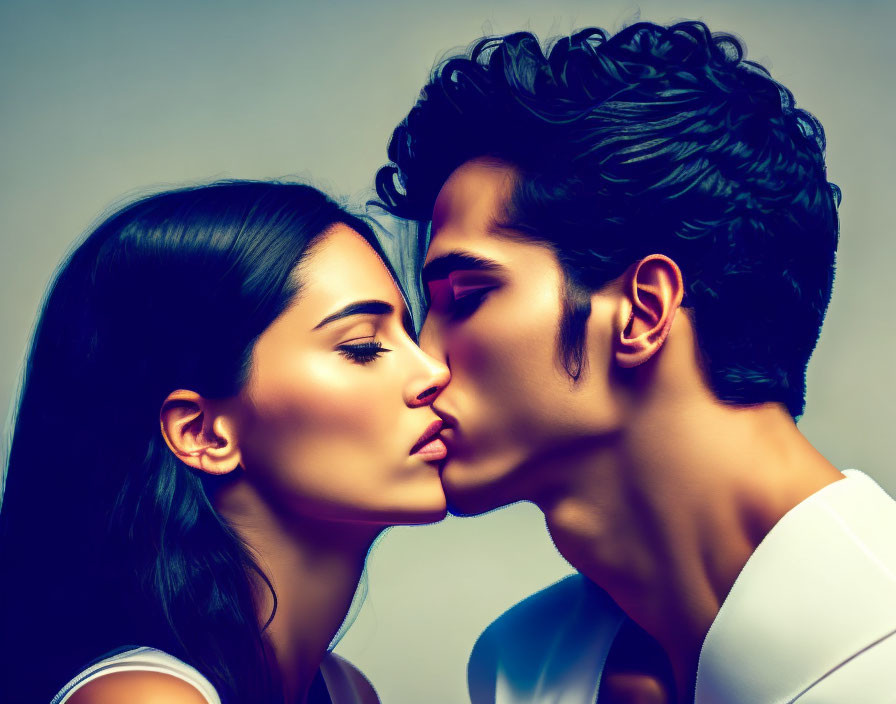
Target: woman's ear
x=198, y=434
x=652, y=293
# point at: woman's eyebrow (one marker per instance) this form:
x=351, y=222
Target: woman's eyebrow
x=441, y=266
x=357, y=308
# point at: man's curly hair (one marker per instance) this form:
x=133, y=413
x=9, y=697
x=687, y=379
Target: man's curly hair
x=653, y=140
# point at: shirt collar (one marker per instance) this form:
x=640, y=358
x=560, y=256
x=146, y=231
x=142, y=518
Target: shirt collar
x=817, y=590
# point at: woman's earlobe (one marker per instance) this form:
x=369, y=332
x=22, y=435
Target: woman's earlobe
x=197, y=434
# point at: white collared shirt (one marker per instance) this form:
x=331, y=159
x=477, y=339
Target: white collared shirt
x=811, y=618
x=812, y=615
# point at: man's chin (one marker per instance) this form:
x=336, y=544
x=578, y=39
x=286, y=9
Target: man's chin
x=461, y=513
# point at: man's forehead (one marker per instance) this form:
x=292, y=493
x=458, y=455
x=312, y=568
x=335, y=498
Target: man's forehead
x=473, y=197
x=486, y=240
x=496, y=248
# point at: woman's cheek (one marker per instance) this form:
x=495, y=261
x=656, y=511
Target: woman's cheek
x=329, y=428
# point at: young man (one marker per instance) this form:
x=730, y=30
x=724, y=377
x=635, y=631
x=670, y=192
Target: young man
x=632, y=251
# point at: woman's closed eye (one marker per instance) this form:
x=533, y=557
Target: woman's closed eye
x=362, y=352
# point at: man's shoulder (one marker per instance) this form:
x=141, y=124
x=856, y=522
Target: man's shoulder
x=345, y=682
x=866, y=512
x=543, y=611
x=559, y=633
x=867, y=677
x=813, y=608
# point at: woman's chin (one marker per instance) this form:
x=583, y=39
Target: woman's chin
x=419, y=498
x=428, y=507
x=409, y=508
x=431, y=515
x=431, y=511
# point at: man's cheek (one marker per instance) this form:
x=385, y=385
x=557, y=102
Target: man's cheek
x=472, y=354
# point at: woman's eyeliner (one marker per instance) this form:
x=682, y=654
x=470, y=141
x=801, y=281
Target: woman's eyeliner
x=362, y=352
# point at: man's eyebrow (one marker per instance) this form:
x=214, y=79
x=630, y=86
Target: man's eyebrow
x=441, y=266
x=358, y=308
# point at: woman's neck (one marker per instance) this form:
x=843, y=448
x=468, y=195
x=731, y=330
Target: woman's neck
x=313, y=566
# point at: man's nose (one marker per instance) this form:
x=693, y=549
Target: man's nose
x=431, y=341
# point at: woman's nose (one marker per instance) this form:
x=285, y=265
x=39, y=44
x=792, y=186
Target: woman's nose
x=425, y=386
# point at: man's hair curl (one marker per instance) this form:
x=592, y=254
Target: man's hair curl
x=654, y=140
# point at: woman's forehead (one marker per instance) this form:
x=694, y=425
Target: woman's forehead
x=341, y=268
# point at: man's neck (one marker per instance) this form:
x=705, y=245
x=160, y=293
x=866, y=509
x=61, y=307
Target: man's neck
x=665, y=518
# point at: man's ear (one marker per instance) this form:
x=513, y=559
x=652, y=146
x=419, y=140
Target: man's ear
x=198, y=434
x=652, y=293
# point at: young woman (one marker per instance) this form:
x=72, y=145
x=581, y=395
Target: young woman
x=223, y=407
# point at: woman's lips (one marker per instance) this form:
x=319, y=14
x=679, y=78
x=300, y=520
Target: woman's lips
x=430, y=445
x=433, y=450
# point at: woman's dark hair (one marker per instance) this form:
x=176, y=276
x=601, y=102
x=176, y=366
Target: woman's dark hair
x=106, y=538
x=655, y=140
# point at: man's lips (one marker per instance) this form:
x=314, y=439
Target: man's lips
x=430, y=446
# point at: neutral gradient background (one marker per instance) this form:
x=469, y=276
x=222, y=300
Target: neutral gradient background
x=102, y=101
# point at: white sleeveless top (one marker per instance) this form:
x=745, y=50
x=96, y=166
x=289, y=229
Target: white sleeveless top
x=142, y=660
x=341, y=687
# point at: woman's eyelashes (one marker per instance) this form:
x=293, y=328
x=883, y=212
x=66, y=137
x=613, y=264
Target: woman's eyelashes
x=362, y=352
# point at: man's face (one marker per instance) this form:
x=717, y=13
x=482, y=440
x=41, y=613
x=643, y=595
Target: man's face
x=496, y=301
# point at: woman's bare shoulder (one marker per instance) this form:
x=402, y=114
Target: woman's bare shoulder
x=137, y=687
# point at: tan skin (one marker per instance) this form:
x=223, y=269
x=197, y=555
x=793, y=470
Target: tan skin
x=651, y=486
x=319, y=445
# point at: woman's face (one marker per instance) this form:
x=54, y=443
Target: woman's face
x=339, y=397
